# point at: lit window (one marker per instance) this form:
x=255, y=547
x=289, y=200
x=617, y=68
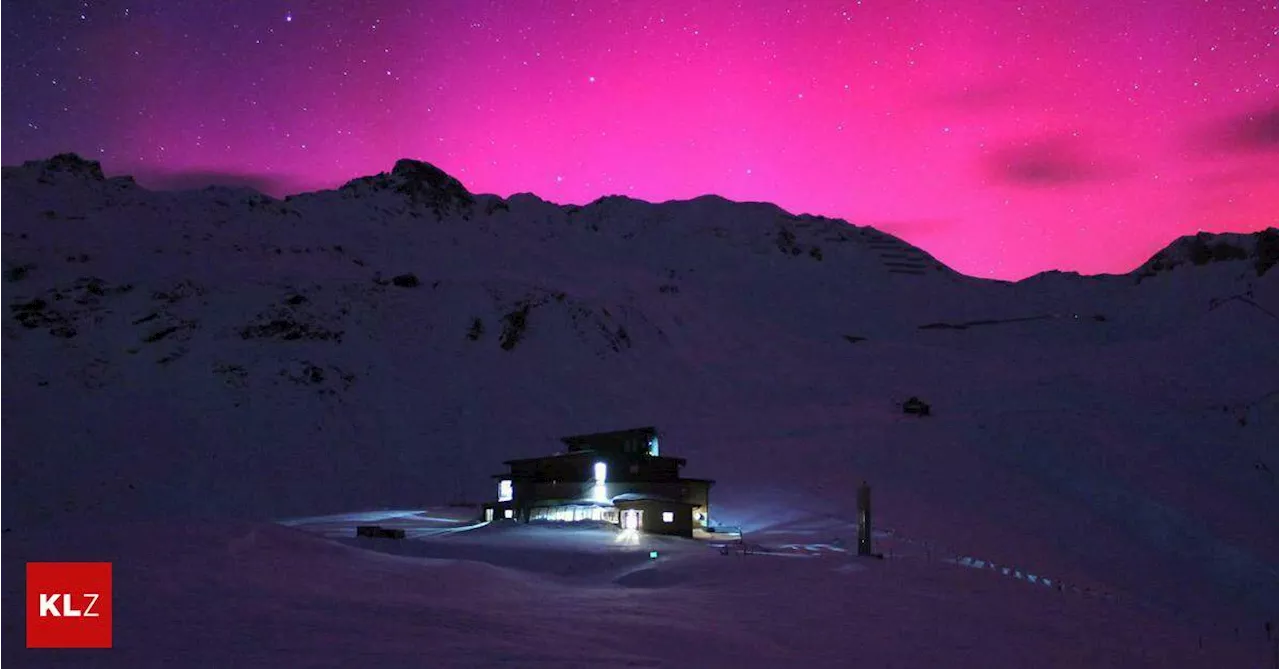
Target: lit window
x=668, y=517
x=508, y=513
x=505, y=492
x=601, y=469
x=653, y=446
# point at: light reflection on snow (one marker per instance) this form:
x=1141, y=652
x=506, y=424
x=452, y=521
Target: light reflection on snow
x=816, y=548
x=366, y=517
x=629, y=537
x=975, y=563
x=417, y=523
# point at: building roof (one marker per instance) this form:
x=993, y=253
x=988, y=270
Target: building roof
x=577, y=439
x=586, y=454
x=645, y=497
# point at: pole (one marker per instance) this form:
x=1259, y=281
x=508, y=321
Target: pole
x=864, y=519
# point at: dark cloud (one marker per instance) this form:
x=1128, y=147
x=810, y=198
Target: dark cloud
x=1049, y=161
x=269, y=184
x=1257, y=130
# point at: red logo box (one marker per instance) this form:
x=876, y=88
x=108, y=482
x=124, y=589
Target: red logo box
x=68, y=605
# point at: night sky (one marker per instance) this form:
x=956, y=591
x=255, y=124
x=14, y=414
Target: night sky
x=1004, y=137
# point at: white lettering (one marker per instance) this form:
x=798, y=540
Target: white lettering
x=49, y=605
x=88, y=610
x=67, y=611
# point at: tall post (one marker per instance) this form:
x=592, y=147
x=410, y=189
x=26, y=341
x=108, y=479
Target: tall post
x=864, y=519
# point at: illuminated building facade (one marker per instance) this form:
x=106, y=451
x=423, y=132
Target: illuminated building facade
x=617, y=477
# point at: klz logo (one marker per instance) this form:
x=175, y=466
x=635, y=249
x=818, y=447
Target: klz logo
x=68, y=605
x=49, y=605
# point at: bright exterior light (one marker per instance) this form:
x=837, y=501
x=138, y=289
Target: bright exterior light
x=505, y=492
x=668, y=517
x=653, y=446
x=653, y=555
x=598, y=493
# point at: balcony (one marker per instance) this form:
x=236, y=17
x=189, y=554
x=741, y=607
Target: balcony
x=533, y=492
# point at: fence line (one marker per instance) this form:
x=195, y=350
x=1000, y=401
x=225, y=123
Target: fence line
x=1267, y=629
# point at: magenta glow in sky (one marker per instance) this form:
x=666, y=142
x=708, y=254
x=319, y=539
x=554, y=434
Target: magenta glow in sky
x=1004, y=137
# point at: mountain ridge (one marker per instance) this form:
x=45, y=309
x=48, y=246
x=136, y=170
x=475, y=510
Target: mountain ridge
x=427, y=186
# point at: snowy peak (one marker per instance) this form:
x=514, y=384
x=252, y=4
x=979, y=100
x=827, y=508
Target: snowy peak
x=66, y=185
x=67, y=163
x=1258, y=249
x=421, y=178
x=64, y=169
x=422, y=183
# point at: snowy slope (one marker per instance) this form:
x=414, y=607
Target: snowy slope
x=221, y=354
x=243, y=594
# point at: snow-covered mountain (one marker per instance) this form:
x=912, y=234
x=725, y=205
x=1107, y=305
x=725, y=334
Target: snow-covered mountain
x=389, y=343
